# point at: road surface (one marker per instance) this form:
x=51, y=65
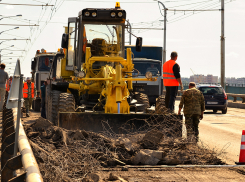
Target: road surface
x=216, y=131
x=222, y=132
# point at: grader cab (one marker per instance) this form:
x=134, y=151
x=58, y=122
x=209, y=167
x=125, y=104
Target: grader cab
x=93, y=82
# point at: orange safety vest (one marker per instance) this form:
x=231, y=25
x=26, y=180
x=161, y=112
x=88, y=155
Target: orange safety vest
x=25, y=90
x=168, y=74
x=7, y=89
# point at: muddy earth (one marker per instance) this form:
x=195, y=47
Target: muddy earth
x=78, y=155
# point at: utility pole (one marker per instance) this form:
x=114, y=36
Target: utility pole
x=222, y=42
x=130, y=30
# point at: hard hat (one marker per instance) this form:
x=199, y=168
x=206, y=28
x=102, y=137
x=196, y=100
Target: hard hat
x=28, y=78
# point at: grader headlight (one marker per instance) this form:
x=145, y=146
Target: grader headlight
x=87, y=13
x=81, y=74
x=113, y=14
x=120, y=14
x=148, y=74
x=94, y=14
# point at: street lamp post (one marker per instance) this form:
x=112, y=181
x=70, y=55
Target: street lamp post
x=6, y=54
x=222, y=43
x=6, y=48
x=9, y=29
x=164, y=35
x=7, y=40
x=8, y=16
x=1, y=61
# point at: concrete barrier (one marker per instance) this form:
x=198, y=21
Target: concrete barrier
x=237, y=104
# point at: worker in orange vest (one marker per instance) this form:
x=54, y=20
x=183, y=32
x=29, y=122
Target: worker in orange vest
x=10, y=82
x=29, y=93
x=171, y=80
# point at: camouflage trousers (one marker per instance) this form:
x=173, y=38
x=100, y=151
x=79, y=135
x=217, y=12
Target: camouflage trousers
x=191, y=123
x=28, y=104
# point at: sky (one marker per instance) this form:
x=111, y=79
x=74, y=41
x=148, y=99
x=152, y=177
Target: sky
x=195, y=35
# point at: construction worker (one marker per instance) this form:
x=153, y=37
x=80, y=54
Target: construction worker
x=10, y=82
x=194, y=106
x=43, y=95
x=29, y=93
x=171, y=80
x=3, y=86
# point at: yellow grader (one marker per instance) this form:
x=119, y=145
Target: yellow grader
x=92, y=74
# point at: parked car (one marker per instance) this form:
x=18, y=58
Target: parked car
x=215, y=97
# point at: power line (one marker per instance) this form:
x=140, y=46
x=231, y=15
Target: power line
x=192, y=3
x=193, y=10
x=186, y=16
x=149, y=28
x=202, y=7
x=56, y=8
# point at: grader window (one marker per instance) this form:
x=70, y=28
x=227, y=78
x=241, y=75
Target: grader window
x=44, y=63
x=71, y=54
x=58, y=68
x=104, y=40
x=147, y=66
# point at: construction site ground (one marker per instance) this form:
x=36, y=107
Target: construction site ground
x=158, y=173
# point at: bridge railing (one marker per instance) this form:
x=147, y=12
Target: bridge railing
x=235, y=96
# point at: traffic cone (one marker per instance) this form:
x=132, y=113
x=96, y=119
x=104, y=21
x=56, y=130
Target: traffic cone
x=242, y=150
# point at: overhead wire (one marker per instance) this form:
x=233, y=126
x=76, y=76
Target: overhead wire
x=200, y=8
x=173, y=14
x=50, y=13
x=49, y=17
x=188, y=15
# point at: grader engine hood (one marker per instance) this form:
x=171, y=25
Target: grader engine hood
x=113, y=84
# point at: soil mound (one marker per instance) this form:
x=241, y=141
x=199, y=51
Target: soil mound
x=70, y=155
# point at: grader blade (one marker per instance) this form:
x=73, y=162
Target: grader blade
x=118, y=123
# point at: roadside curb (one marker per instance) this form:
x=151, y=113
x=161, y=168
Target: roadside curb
x=236, y=105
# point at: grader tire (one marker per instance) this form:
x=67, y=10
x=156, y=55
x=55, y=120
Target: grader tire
x=160, y=105
x=55, y=94
x=66, y=103
x=142, y=99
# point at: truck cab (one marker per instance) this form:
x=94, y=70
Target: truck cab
x=152, y=89
x=148, y=60
x=40, y=70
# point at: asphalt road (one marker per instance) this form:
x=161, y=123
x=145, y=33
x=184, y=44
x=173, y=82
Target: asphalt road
x=222, y=132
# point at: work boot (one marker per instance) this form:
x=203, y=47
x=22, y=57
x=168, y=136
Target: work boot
x=27, y=115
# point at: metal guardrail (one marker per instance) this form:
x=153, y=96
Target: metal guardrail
x=16, y=150
x=24, y=160
x=242, y=96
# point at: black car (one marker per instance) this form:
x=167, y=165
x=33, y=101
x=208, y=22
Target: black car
x=215, y=97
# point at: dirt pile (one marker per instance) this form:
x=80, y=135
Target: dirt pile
x=65, y=155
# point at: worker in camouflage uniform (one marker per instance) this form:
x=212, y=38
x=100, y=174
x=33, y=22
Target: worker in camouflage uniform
x=194, y=106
